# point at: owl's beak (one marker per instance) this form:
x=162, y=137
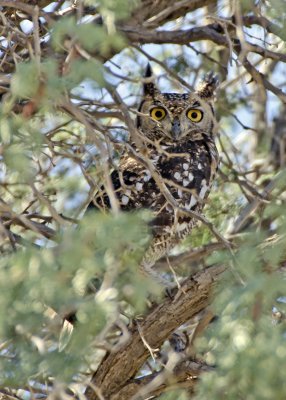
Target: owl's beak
x=176, y=128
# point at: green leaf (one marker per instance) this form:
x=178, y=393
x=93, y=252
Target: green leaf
x=81, y=70
x=17, y=160
x=25, y=82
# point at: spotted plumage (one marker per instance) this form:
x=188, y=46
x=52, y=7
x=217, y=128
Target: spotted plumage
x=175, y=133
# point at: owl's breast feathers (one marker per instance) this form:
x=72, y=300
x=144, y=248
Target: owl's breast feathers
x=187, y=169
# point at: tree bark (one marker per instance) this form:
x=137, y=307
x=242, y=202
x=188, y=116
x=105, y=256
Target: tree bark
x=118, y=368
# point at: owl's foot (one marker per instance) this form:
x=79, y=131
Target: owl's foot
x=174, y=291
x=148, y=271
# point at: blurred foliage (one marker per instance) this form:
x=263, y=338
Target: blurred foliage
x=118, y=9
x=90, y=36
x=277, y=13
x=247, y=346
x=33, y=280
x=174, y=395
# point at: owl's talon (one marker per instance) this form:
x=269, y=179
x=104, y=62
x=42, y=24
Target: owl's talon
x=168, y=293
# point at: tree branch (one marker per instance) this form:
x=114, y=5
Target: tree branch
x=119, y=367
x=155, y=13
x=211, y=32
x=185, y=374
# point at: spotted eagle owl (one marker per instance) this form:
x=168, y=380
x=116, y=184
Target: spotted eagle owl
x=176, y=136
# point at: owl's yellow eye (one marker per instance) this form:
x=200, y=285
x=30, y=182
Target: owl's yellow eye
x=158, y=113
x=195, y=115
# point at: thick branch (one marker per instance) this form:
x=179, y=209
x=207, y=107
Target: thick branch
x=211, y=32
x=118, y=368
x=269, y=26
x=185, y=374
x=154, y=13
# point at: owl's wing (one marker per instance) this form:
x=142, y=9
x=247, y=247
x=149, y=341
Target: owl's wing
x=132, y=185
x=135, y=189
x=101, y=200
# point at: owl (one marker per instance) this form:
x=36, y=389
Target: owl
x=175, y=133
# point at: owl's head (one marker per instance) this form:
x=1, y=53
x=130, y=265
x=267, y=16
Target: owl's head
x=174, y=117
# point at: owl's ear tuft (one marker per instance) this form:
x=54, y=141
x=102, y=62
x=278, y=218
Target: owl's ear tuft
x=149, y=71
x=207, y=87
x=149, y=87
